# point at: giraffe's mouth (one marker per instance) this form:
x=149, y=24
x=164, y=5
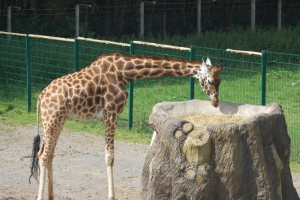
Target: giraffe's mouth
x=214, y=102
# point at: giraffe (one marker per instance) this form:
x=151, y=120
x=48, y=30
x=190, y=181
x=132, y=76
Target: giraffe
x=98, y=92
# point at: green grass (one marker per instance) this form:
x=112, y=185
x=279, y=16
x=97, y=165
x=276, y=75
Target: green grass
x=295, y=167
x=240, y=79
x=15, y=112
x=151, y=91
x=97, y=127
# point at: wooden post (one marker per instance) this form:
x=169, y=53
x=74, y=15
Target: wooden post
x=142, y=15
x=9, y=19
x=199, y=17
x=9, y=8
x=279, y=14
x=77, y=7
x=165, y=20
x=77, y=20
x=252, y=14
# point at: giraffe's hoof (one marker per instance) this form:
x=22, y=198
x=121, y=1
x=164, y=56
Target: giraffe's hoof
x=111, y=198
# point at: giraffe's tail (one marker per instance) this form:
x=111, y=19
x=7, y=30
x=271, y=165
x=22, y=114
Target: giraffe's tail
x=35, y=170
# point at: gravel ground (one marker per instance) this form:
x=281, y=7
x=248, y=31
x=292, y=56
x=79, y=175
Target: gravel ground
x=79, y=166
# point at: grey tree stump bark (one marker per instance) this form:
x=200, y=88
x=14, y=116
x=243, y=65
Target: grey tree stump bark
x=246, y=160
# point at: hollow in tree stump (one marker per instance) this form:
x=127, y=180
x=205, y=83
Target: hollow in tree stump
x=246, y=158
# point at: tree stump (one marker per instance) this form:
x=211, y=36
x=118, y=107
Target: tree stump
x=245, y=160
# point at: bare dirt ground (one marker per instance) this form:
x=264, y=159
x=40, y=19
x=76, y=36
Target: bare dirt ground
x=79, y=166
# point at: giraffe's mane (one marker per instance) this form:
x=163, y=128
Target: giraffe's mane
x=157, y=58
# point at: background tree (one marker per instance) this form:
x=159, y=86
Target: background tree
x=115, y=18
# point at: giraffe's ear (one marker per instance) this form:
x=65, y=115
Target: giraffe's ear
x=220, y=67
x=217, y=69
x=208, y=62
x=203, y=64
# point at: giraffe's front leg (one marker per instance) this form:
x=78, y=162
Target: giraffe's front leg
x=109, y=158
x=50, y=179
x=110, y=123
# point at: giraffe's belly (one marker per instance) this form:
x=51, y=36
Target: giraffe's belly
x=87, y=114
x=99, y=114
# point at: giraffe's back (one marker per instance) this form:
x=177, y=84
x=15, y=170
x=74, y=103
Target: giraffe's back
x=83, y=95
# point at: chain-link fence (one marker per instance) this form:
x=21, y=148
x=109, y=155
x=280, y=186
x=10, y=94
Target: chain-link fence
x=13, y=66
x=283, y=87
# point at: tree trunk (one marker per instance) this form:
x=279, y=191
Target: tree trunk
x=246, y=160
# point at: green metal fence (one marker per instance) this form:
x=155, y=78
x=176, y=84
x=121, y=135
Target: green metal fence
x=150, y=91
x=13, y=70
x=30, y=63
x=47, y=59
x=283, y=87
x=241, y=76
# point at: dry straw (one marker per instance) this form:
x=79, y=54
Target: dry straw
x=201, y=121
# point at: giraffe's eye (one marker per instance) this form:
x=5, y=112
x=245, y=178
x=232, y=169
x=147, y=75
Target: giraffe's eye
x=209, y=81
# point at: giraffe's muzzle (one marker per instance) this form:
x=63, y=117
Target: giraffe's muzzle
x=215, y=102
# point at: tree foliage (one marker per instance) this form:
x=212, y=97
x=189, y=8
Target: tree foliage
x=122, y=17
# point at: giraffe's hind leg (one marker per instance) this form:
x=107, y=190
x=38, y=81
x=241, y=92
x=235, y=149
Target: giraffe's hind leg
x=46, y=167
x=46, y=154
x=42, y=181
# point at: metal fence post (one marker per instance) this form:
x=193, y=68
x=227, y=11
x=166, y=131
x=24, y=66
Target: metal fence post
x=75, y=55
x=130, y=95
x=28, y=82
x=263, y=77
x=192, y=84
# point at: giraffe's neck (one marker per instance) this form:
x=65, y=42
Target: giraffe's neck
x=140, y=67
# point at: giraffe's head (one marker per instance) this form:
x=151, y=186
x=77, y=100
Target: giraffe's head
x=209, y=79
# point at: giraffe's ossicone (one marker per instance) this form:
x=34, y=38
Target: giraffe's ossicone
x=99, y=92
